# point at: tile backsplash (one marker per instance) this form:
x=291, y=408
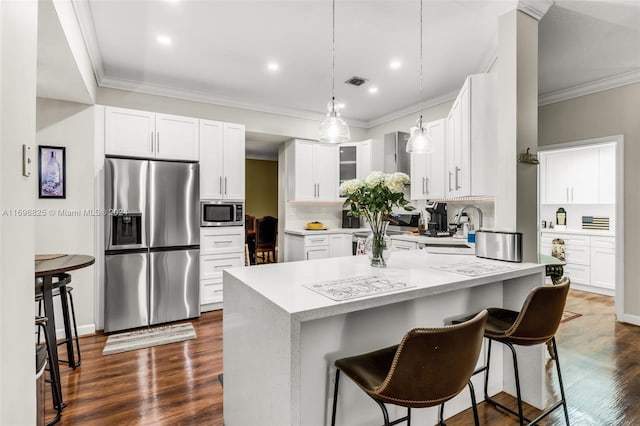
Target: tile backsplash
x=299, y=214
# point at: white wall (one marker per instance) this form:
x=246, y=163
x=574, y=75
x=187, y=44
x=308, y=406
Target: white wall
x=18, y=53
x=607, y=113
x=71, y=125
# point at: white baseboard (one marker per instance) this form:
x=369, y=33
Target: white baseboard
x=83, y=330
x=630, y=319
x=592, y=289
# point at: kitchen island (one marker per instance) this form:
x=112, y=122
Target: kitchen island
x=281, y=338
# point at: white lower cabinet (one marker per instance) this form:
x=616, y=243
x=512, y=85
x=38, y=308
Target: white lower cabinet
x=220, y=248
x=320, y=246
x=340, y=245
x=403, y=245
x=603, y=267
x=590, y=259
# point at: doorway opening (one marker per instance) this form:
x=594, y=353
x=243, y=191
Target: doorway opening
x=581, y=213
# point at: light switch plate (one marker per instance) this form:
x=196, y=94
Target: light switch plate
x=27, y=160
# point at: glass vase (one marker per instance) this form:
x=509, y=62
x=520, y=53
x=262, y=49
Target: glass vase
x=378, y=245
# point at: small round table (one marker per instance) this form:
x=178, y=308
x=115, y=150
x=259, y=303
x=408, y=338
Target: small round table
x=48, y=266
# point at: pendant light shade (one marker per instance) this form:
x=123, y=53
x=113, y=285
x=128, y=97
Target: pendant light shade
x=333, y=129
x=420, y=142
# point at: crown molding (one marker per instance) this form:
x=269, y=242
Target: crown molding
x=82, y=9
x=412, y=109
x=159, y=90
x=590, y=88
x=535, y=8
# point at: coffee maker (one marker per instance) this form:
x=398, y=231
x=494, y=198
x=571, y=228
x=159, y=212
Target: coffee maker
x=437, y=226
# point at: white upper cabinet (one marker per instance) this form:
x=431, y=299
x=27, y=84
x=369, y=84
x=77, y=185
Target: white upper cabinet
x=312, y=171
x=222, y=155
x=176, y=137
x=427, y=170
x=584, y=175
x=471, y=130
x=142, y=134
x=354, y=161
x=129, y=133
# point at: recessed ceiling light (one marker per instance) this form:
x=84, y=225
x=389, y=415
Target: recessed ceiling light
x=164, y=40
x=273, y=66
x=394, y=65
x=373, y=89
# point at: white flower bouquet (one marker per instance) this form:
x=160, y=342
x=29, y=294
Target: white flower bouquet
x=374, y=199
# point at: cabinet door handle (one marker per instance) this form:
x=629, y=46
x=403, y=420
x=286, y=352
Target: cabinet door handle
x=572, y=194
x=567, y=194
x=457, y=171
x=426, y=185
x=152, y=145
x=225, y=185
x=423, y=190
x=450, y=173
x=157, y=141
x=220, y=185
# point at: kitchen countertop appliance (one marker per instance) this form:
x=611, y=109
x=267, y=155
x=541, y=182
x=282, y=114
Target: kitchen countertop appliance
x=437, y=226
x=349, y=221
x=152, y=251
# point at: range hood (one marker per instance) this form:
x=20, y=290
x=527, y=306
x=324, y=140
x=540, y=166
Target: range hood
x=396, y=157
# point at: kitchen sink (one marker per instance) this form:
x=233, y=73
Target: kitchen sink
x=449, y=248
x=451, y=245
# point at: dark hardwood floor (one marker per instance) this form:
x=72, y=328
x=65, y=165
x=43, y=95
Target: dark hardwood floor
x=177, y=384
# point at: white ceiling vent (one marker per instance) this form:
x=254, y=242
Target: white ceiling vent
x=356, y=81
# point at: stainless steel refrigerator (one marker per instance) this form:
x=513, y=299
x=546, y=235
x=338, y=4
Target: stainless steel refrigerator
x=152, y=242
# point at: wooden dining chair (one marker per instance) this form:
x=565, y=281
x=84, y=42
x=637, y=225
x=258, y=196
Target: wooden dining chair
x=250, y=237
x=266, y=237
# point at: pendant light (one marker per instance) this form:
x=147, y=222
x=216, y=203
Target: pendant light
x=334, y=129
x=420, y=142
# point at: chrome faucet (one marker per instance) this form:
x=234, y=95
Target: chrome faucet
x=464, y=209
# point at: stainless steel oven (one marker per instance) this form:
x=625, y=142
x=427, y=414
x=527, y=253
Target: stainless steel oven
x=221, y=213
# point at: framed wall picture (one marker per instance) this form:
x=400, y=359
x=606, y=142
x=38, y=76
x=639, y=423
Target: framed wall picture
x=52, y=175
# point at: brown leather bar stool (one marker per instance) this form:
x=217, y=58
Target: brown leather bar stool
x=74, y=358
x=535, y=324
x=429, y=367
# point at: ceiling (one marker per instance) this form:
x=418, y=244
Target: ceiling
x=220, y=49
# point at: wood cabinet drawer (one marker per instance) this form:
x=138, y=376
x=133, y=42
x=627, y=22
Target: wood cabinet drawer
x=604, y=242
x=221, y=240
x=212, y=265
x=211, y=291
x=578, y=273
x=316, y=240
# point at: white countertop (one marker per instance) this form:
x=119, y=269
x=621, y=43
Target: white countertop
x=283, y=283
x=304, y=232
x=578, y=232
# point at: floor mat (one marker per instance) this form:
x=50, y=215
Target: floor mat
x=568, y=316
x=146, y=338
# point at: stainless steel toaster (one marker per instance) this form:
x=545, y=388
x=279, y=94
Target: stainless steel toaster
x=499, y=245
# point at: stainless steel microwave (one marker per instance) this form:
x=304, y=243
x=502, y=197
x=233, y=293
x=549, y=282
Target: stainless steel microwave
x=221, y=213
